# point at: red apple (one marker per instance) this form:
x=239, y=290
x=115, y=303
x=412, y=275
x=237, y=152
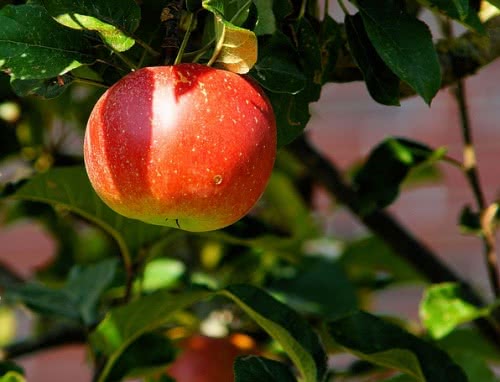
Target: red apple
x=206, y=359
x=184, y=146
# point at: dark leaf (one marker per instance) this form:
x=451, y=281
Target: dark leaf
x=318, y=286
x=379, y=180
x=404, y=43
x=292, y=332
x=34, y=46
x=254, y=368
x=385, y=344
x=381, y=82
x=277, y=68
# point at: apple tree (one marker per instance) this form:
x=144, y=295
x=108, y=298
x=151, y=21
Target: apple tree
x=185, y=107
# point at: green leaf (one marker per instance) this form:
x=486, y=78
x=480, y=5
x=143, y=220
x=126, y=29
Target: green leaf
x=310, y=53
x=77, y=300
x=161, y=273
x=70, y=188
x=87, y=284
x=318, y=286
x=266, y=22
x=368, y=257
x=234, y=11
x=292, y=114
x=379, y=180
x=149, y=353
x=12, y=376
x=468, y=338
x=236, y=48
x=34, y=46
x=445, y=307
x=277, y=68
x=382, y=83
x=44, y=300
x=474, y=366
x=47, y=88
x=114, y=20
x=125, y=324
x=385, y=344
x=404, y=43
x=254, y=368
x=292, y=332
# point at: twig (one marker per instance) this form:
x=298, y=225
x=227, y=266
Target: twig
x=472, y=174
x=56, y=337
x=385, y=226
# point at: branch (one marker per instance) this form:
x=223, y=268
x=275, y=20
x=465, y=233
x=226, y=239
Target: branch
x=381, y=223
x=56, y=337
x=459, y=58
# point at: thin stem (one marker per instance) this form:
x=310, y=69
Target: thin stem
x=126, y=60
x=147, y=47
x=56, y=337
x=194, y=56
x=87, y=81
x=472, y=175
x=185, y=40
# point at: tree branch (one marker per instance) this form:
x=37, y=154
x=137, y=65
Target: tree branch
x=382, y=224
x=64, y=335
x=459, y=57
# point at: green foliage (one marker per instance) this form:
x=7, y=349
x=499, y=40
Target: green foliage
x=380, y=178
x=444, y=306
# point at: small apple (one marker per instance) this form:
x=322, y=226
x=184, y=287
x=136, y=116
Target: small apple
x=185, y=146
x=207, y=359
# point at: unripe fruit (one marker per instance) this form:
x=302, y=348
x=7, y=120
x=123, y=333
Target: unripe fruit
x=184, y=146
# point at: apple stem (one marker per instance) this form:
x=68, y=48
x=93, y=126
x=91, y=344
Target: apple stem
x=185, y=40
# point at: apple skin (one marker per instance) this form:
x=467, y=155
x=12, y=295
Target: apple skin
x=185, y=146
x=207, y=359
